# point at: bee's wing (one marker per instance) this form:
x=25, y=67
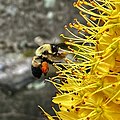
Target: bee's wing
x=38, y=40
x=62, y=45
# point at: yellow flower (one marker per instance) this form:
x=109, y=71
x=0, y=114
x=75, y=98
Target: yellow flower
x=90, y=84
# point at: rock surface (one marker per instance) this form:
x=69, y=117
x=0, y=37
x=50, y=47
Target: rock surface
x=24, y=104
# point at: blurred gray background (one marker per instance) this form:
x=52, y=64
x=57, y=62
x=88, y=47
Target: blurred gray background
x=20, y=22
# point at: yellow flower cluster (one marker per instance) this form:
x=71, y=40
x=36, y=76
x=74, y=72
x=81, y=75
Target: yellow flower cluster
x=90, y=82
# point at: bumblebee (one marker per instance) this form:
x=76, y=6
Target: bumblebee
x=45, y=55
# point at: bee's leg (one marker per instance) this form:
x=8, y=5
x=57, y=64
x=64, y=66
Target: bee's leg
x=45, y=74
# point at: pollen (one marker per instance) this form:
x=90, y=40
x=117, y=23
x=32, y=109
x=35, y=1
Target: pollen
x=44, y=67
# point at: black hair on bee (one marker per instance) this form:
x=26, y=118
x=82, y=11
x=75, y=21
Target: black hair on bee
x=36, y=71
x=35, y=67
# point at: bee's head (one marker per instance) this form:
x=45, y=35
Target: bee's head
x=54, y=49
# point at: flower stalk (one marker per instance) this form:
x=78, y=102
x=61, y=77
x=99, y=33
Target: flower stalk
x=90, y=82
